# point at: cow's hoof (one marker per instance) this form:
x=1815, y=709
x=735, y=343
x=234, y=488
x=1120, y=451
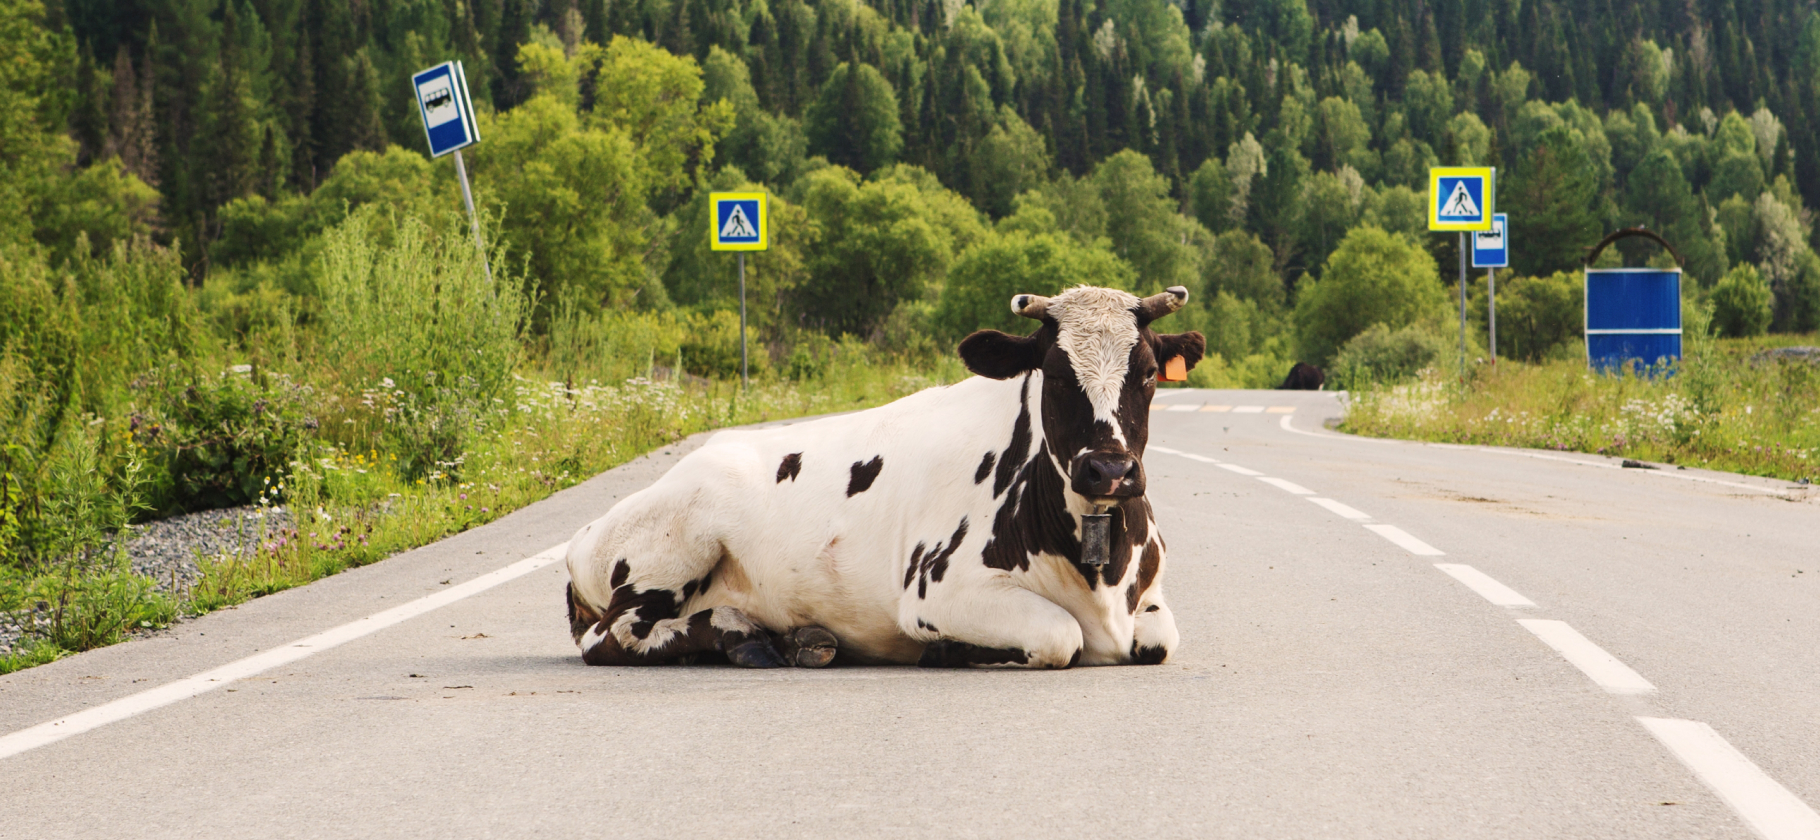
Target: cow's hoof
x=808, y=647
x=757, y=653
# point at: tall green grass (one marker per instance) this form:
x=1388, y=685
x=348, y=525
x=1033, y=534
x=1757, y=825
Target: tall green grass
x=1723, y=407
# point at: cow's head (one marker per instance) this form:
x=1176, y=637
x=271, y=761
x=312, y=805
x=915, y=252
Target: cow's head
x=1100, y=361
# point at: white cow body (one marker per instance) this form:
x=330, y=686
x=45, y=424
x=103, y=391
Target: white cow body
x=943, y=517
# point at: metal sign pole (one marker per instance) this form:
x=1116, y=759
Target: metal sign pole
x=1463, y=246
x=1491, y=302
x=467, y=197
x=745, y=381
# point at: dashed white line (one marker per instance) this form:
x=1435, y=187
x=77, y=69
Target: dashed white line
x=1346, y=511
x=1765, y=804
x=1408, y=543
x=1240, y=470
x=1285, y=484
x=1592, y=660
x=1482, y=583
x=1248, y=409
x=164, y=695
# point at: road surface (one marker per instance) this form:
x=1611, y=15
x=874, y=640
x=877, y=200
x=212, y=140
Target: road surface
x=1379, y=639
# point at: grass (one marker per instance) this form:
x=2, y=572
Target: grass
x=1720, y=409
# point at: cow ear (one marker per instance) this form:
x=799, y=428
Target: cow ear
x=996, y=355
x=1190, y=346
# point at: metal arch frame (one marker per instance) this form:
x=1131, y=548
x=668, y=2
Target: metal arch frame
x=1592, y=254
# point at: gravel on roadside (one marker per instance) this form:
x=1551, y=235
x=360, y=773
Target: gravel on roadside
x=167, y=552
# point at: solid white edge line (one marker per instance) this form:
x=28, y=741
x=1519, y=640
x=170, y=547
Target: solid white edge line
x=183, y=689
x=1482, y=583
x=1286, y=485
x=1404, y=540
x=1765, y=804
x=1601, y=667
x=1240, y=470
x=1344, y=510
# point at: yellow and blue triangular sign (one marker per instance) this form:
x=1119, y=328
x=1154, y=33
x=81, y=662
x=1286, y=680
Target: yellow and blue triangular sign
x=738, y=221
x=1460, y=198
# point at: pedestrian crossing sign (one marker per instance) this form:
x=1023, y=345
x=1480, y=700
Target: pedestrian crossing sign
x=1460, y=198
x=738, y=221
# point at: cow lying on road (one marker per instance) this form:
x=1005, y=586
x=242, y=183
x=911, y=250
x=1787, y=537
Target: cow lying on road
x=941, y=529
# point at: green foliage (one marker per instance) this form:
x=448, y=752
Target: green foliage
x=1373, y=277
x=984, y=279
x=882, y=241
x=1552, y=199
x=853, y=121
x=1380, y=354
x=1537, y=316
x=1741, y=303
x=221, y=440
x=419, y=322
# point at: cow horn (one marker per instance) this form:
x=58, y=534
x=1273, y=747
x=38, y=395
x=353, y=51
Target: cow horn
x=1030, y=306
x=1162, y=303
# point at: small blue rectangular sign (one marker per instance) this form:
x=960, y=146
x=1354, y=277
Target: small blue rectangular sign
x=1491, y=249
x=448, y=115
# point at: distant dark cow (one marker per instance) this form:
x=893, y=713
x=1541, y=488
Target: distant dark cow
x=943, y=529
x=1304, y=377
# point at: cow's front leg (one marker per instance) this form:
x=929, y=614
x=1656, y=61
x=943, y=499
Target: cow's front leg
x=1153, y=634
x=990, y=623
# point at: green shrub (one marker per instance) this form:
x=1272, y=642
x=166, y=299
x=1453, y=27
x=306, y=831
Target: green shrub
x=1741, y=303
x=1374, y=277
x=1381, y=355
x=223, y=440
x=419, y=322
x=1536, y=315
x=979, y=289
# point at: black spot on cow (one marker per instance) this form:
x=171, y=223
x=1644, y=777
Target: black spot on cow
x=947, y=653
x=1148, y=654
x=620, y=571
x=1303, y=377
x=792, y=464
x=863, y=474
x=935, y=564
x=924, y=625
x=985, y=469
x=916, y=564
x=1019, y=448
x=1152, y=608
x=1148, y=566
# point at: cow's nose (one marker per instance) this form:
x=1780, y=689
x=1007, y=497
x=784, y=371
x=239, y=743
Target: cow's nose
x=1105, y=474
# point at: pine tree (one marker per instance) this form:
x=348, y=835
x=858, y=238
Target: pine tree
x=230, y=134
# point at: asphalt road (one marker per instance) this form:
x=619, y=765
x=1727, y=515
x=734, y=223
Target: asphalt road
x=1350, y=667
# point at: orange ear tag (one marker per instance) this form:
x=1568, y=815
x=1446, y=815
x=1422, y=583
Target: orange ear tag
x=1175, y=370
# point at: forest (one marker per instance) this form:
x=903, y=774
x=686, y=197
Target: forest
x=229, y=256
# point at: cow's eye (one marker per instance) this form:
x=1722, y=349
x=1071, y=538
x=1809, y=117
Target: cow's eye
x=1150, y=378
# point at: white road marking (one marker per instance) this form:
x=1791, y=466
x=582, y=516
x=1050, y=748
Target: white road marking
x=1202, y=458
x=1183, y=407
x=1482, y=583
x=1289, y=427
x=1165, y=450
x=1347, y=511
x=1216, y=408
x=1407, y=542
x=1248, y=409
x=1240, y=470
x=1284, y=484
x=164, y=695
x=1281, y=409
x=1769, y=807
x=1592, y=660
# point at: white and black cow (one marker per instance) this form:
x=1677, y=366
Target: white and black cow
x=941, y=529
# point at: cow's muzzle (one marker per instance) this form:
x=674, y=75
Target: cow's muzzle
x=1106, y=475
